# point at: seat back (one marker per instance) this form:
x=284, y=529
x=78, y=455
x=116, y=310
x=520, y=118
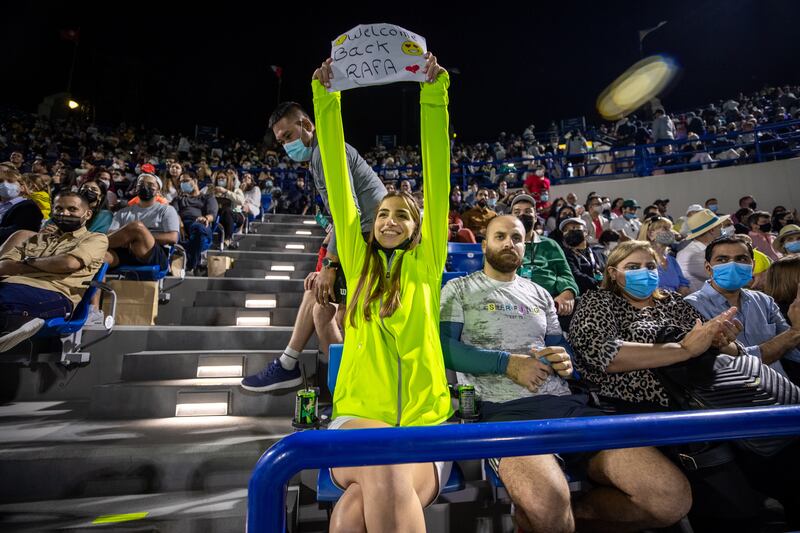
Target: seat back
x=468, y=262
x=61, y=326
x=145, y=272
x=334, y=360
x=460, y=247
x=447, y=276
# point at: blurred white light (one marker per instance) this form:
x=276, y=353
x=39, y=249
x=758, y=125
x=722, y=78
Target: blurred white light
x=282, y=268
x=72, y=104
x=309, y=222
x=295, y=247
x=260, y=302
x=277, y=277
x=302, y=232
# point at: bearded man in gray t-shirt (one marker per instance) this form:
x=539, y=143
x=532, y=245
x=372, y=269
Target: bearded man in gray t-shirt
x=500, y=332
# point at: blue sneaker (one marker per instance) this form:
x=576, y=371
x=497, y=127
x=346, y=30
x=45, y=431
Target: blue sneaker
x=273, y=377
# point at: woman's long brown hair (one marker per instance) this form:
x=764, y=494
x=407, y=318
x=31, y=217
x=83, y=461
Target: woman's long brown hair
x=373, y=273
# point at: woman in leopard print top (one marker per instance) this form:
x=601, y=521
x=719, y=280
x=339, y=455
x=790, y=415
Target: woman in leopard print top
x=615, y=328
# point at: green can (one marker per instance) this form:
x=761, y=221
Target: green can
x=305, y=408
x=467, y=402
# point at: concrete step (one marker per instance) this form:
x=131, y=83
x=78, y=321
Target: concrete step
x=241, y=298
x=290, y=219
x=287, y=228
x=192, y=364
x=218, y=511
x=186, y=397
x=256, y=255
x=52, y=450
x=46, y=384
x=279, y=243
x=238, y=316
x=262, y=273
x=278, y=266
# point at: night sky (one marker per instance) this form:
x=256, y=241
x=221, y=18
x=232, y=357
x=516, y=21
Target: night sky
x=176, y=66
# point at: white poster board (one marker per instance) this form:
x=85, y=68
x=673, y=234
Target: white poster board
x=376, y=54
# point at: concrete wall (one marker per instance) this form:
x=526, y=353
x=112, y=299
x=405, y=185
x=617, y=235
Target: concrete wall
x=771, y=184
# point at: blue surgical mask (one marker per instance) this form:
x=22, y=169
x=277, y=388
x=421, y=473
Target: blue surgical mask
x=629, y=216
x=268, y=184
x=792, y=247
x=544, y=197
x=641, y=283
x=298, y=151
x=732, y=276
x=713, y=208
x=728, y=231
x=222, y=183
x=9, y=191
x=186, y=186
x=492, y=202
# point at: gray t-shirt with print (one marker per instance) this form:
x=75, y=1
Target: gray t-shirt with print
x=158, y=218
x=510, y=316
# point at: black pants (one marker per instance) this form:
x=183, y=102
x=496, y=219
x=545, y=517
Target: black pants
x=228, y=218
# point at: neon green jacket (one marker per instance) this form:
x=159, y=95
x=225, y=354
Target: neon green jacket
x=392, y=369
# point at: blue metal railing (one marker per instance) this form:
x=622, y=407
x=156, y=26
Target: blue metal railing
x=361, y=447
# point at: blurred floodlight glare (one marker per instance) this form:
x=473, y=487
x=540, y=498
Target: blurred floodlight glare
x=72, y=104
x=640, y=83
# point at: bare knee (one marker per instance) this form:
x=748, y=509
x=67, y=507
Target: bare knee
x=323, y=315
x=543, y=500
x=348, y=515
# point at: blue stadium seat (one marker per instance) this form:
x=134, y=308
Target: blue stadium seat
x=154, y=273
x=62, y=326
x=458, y=247
x=468, y=262
x=327, y=491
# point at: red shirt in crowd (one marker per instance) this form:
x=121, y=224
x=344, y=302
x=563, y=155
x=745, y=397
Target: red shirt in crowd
x=536, y=185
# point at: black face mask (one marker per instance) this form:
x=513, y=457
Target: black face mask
x=67, y=223
x=765, y=227
x=481, y=203
x=527, y=221
x=574, y=238
x=90, y=195
x=753, y=205
x=146, y=193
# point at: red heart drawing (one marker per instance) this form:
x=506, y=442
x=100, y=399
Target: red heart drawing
x=413, y=69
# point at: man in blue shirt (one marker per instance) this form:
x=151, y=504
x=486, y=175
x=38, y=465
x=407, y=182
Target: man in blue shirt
x=765, y=333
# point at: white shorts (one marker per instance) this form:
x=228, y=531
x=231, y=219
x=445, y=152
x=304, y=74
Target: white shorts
x=442, y=467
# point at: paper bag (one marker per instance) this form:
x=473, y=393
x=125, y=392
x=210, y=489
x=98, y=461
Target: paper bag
x=137, y=302
x=218, y=265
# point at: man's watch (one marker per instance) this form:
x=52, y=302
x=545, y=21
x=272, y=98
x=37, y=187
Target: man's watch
x=330, y=263
x=29, y=260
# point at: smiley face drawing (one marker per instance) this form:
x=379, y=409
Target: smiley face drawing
x=340, y=41
x=411, y=48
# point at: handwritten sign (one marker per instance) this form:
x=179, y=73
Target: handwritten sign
x=376, y=54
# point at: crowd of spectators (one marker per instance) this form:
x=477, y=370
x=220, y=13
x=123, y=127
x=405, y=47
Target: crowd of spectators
x=607, y=275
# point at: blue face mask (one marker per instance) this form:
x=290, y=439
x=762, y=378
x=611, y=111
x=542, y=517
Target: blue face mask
x=732, y=276
x=629, y=216
x=713, y=208
x=792, y=247
x=9, y=191
x=641, y=283
x=544, y=197
x=298, y=151
x=186, y=186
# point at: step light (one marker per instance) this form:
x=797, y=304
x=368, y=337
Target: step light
x=202, y=403
x=215, y=366
x=295, y=247
x=252, y=320
x=260, y=301
x=282, y=267
x=302, y=232
x=309, y=222
x=277, y=277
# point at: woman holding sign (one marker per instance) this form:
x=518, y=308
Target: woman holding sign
x=392, y=370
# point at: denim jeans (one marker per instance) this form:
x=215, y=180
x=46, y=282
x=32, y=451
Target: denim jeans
x=20, y=304
x=199, y=240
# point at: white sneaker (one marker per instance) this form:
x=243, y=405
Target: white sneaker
x=25, y=331
x=95, y=318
